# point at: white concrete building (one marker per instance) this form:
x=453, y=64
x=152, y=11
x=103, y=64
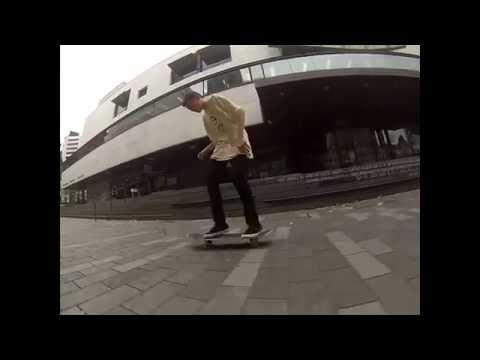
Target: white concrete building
x=71, y=143
x=308, y=108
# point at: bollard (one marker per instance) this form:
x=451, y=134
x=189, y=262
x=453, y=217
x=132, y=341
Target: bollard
x=94, y=210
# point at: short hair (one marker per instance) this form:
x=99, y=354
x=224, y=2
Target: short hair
x=189, y=97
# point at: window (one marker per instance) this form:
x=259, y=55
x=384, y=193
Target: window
x=257, y=72
x=226, y=81
x=401, y=142
x=142, y=92
x=277, y=68
x=121, y=102
x=184, y=67
x=304, y=64
x=213, y=56
x=201, y=60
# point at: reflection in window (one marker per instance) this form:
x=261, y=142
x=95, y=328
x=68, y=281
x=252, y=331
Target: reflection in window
x=121, y=102
x=303, y=64
x=142, y=92
x=329, y=156
x=404, y=142
x=277, y=68
x=214, y=55
x=226, y=81
x=257, y=72
x=245, y=75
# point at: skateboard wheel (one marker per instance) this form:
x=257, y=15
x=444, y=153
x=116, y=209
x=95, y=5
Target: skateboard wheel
x=254, y=242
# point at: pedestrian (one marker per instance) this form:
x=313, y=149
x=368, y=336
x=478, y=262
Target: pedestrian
x=224, y=124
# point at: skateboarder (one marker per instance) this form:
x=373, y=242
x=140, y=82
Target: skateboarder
x=224, y=123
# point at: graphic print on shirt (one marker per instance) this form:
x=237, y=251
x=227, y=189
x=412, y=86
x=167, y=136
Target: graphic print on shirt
x=217, y=124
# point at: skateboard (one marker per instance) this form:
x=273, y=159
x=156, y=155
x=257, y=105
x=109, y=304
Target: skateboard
x=232, y=235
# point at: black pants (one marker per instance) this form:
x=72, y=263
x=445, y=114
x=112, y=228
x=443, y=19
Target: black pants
x=238, y=174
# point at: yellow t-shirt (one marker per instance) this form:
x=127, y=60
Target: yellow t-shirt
x=225, y=126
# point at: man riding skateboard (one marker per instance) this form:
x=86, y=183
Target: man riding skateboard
x=224, y=123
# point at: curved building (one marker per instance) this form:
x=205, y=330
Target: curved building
x=309, y=109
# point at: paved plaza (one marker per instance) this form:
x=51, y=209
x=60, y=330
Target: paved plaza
x=361, y=258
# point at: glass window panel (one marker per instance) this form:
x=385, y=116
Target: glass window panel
x=303, y=64
x=277, y=68
x=245, y=73
x=197, y=88
x=225, y=81
x=257, y=72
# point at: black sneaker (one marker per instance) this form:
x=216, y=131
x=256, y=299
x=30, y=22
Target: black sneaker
x=252, y=231
x=215, y=231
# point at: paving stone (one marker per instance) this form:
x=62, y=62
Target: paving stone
x=203, y=286
x=329, y=260
x=303, y=269
x=77, y=297
x=151, y=278
x=270, y=283
x=187, y=274
x=180, y=306
x=167, y=262
x=73, y=311
x=375, y=246
x=346, y=288
x=308, y=298
x=151, y=299
x=131, y=265
x=75, y=268
x=372, y=308
x=109, y=300
x=98, y=268
x=281, y=233
x=400, y=265
x=254, y=256
x=223, y=262
x=367, y=265
x=396, y=216
x=65, y=288
x=77, y=261
x=125, y=278
x=295, y=251
x=157, y=241
x=277, y=258
x=242, y=275
x=359, y=216
x=266, y=307
x=119, y=310
x=70, y=277
x=90, y=279
x=396, y=295
x=344, y=244
x=228, y=300
x=106, y=260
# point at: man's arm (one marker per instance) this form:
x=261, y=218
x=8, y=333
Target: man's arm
x=202, y=155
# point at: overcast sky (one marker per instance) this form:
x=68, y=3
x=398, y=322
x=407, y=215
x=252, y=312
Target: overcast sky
x=89, y=72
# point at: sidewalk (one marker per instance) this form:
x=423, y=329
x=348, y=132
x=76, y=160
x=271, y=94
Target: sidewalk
x=362, y=258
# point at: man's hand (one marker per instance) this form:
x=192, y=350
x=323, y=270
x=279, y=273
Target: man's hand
x=206, y=152
x=201, y=155
x=243, y=148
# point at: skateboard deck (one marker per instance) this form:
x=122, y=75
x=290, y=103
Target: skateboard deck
x=233, y=234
